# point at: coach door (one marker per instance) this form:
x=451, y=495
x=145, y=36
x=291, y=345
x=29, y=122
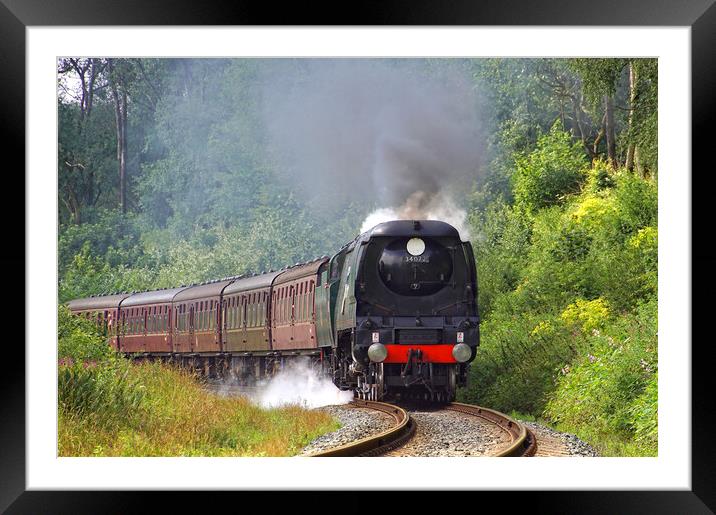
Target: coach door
x=192, y=343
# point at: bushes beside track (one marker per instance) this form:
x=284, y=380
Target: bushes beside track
x=108, y=406
x=568, y=297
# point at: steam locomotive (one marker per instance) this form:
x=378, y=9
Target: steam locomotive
x=392, y=315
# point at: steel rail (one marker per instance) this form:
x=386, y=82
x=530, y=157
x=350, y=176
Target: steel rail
x=380, y=443
x=523, y=443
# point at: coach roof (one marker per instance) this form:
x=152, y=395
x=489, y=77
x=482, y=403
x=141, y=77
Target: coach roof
x=152, y=297
x=251, y=283
x=103, y=302
x=201, y=291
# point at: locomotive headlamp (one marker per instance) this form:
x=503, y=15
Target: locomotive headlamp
x=460, y=352
x=377, y=352
x=415, y=246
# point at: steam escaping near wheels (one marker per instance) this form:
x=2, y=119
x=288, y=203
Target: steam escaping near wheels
x=301, y=384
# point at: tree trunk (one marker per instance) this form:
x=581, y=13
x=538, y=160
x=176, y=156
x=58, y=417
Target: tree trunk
x=599, y=136
x=93, y=77
x=120, y=116
x=638, y=163
x=610, y=131
x=577, y=104
x=632, y=105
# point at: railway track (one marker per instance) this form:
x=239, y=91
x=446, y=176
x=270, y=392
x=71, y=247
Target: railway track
x=380, y=443
x=514, y=439
x=523, y=443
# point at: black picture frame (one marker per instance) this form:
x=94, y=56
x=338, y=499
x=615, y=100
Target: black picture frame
x=700, y=15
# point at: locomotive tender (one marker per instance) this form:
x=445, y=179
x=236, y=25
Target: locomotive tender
x=393, y=314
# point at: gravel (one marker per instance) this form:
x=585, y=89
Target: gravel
x=556, y=443
x=357, y=423
x=449, y=433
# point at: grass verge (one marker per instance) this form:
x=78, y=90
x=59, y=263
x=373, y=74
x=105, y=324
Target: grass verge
x=109, y=406
x=149, y=409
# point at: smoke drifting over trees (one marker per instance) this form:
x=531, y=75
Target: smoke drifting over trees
x=376, y=131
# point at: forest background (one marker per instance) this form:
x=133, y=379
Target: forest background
x=175, y=171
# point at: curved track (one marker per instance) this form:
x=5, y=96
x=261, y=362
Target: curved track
x=382, y=442
x=523, y=442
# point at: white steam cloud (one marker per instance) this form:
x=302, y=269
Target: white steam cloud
x=299, y=384
x=440, y=206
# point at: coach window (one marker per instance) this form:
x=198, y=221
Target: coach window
x=294, y=292
x=264, y=307
x=278, y=308
x=240, y=312
x=284, y=303
x=253, y=309
x=300, y=303
x=305, y=301
x=307, y=314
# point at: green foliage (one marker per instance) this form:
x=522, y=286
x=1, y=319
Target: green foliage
x=78, y=338
x=92, y=275
x=556, y=296
x=599, y=76
x=589, y=315
x=611, y=389
x=551, y=172
x=93, y=381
